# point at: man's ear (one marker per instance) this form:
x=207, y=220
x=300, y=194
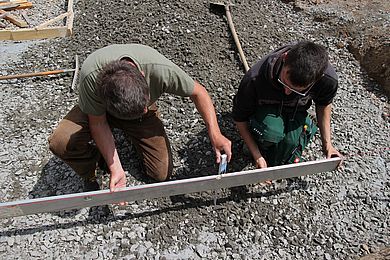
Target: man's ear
x=145, y=110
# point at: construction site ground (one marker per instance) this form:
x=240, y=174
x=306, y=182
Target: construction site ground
x=334, y=215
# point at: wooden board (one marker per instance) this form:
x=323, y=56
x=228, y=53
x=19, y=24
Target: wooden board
x=16, y=6
x=13, y=19
x=163, y=189
x=31, y=34
x=13, y=2
x=51, y=21
x=39, y=32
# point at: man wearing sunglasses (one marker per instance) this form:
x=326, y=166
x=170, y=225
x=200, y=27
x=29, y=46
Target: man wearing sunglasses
x=270, y=107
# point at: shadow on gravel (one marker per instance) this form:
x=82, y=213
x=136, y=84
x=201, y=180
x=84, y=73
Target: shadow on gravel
x=57, y=178
x=179, y=203
x=200, y=158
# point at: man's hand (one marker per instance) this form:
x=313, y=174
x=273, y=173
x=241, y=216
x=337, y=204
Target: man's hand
x=118, y=180
x=261, y=163
x=104, y=139
x=221, y=143
x=331, y=152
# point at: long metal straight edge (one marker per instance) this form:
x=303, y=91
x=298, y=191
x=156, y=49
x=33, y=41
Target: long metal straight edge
x=163, y=189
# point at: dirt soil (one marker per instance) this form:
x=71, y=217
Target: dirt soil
x=335, y=215
x=366, y=26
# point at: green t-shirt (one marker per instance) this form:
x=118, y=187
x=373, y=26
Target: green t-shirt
x=162, y=75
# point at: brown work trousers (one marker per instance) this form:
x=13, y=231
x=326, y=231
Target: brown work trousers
x=72, y=142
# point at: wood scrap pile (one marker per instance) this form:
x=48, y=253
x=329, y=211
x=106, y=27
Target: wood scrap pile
x=14, y=12
x=8, y=6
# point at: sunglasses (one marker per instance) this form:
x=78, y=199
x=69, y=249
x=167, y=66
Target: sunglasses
x=308, y=88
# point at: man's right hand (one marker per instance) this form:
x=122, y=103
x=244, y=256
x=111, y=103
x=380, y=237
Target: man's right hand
x=260, y=164
x=252, y=146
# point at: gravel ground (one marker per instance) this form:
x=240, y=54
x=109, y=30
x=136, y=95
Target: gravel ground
x=338, y=215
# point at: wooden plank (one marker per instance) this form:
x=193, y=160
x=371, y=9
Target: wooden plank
x=13, y=19
x=164, y=189
x=33, y=34
x=51, y=21
x=70, y=6
x=4, y=14
x=8, y=7
x=25, y=17
x=16, y=6
x=40, y=32
x=69, y=21
x=13, y=2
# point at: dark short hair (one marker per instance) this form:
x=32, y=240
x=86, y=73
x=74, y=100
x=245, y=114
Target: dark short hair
x=306, y=62
x=123, y=89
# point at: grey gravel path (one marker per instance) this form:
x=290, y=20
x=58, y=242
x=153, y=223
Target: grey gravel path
x=338, y=215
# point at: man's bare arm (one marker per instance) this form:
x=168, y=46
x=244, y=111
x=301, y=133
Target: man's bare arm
x=205, y=106
x=324, y=116
x=252, y=146
x=104, y=140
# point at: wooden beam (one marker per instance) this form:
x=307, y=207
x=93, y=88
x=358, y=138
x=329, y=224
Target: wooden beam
x=13, y=19
x=33, y=34
x=69, y=21
x=41, y=31
x=163, y=189
x=13, y=2
x=9, y=7
x=51, y=21
x=25, y=17
x=16, y=6
x=4, y=14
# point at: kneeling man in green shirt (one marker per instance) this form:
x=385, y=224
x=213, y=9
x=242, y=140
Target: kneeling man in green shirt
x=119, y=86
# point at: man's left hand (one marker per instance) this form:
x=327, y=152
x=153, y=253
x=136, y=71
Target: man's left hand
x=332, y=152
x=117, y=181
